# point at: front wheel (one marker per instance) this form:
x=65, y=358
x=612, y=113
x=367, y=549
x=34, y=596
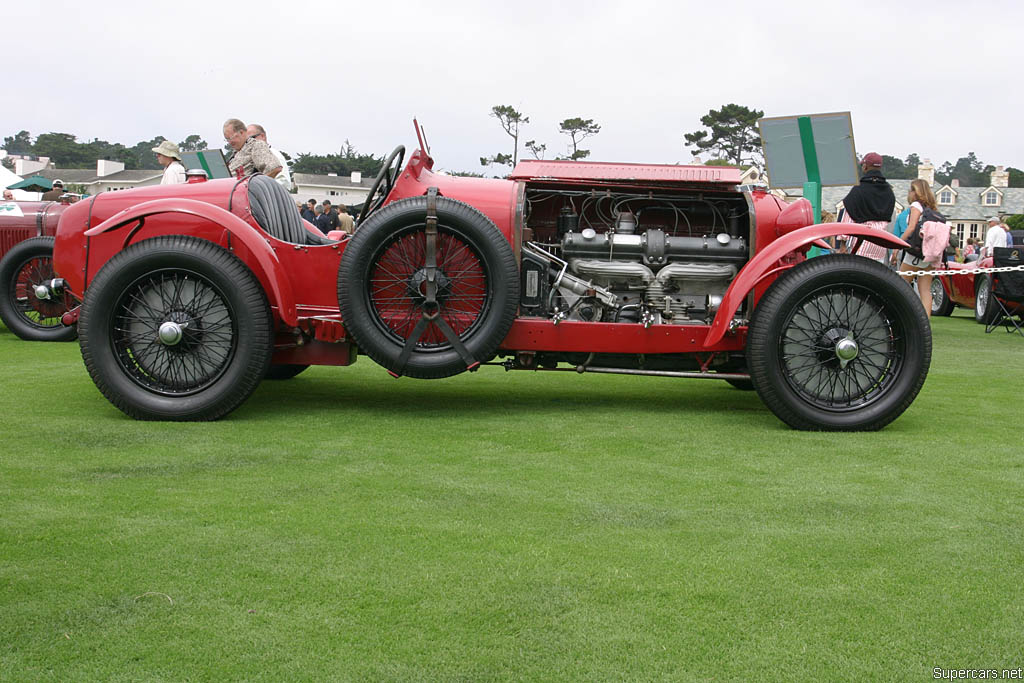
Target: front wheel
x=941, y=303
x=985, y=307
x=176, y=328
x=839, y=343
x=29, y=307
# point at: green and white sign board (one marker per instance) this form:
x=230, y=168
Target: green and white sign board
x=811, y=148
x=209, y=160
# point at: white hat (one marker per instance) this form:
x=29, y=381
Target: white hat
x=168, y=149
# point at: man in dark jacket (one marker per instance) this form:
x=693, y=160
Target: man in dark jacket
x=308, y=213
x=54, y=194
x=871, y=203
x=872, y=199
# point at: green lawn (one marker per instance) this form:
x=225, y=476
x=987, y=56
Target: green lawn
x=345, y=525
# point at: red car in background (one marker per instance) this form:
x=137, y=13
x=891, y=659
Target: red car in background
x=968, y=289
x=30, y=306
x=193, y=294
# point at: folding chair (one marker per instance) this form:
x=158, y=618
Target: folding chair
x=1008, y=290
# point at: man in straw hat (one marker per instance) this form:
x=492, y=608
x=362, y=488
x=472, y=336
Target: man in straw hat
x=170, y=158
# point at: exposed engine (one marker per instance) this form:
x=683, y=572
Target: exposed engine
x=625, y=257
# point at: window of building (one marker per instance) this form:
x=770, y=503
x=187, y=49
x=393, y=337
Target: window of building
x=946, y=197
x=991, y=198
x=975, y=230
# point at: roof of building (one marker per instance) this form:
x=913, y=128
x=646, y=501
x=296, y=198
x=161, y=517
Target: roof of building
x=968, y=206
x=87, y=175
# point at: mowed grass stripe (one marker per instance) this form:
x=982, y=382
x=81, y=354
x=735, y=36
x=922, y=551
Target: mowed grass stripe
x=345, y=525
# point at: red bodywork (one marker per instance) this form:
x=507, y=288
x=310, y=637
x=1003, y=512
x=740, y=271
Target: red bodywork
x=301, y=281
x=37, y=219
x=960, y=288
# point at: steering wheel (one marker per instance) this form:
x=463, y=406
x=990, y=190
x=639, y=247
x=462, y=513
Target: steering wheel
x=384, y=182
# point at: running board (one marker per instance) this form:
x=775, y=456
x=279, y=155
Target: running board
x=580, y=369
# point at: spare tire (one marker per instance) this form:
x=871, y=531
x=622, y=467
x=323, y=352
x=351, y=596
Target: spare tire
x=382, y=288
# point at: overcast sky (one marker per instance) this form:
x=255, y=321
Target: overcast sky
x=940, y=78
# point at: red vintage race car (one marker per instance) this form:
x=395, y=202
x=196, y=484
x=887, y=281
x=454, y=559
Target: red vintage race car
x=193, y=294
x=969, y=289
x=30, y=306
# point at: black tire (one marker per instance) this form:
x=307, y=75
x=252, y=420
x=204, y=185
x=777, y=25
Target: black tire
x=941, y=304
x=381, y=274
x=985, y=307
x=27, y=264
x=280, y=372
x=741, y=384
x=207, y=298
x=794, y=342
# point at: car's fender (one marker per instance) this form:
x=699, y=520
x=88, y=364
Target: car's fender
x=280, y=286
x=765, y=261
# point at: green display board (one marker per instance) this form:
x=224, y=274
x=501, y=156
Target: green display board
x=209, y=160
x=791, y=164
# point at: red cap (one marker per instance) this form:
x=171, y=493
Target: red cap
x=872, y=159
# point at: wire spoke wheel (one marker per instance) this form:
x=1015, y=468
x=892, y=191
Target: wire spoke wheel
x=838, y=343
x=397, y=288
x=840, y=349
x=174, y=332
x=420, y=316
x=176, y=328
x=985, y=308
x=29, y=306
x=44, y=313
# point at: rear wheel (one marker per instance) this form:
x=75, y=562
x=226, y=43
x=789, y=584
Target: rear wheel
x=941, y=303
x=839, y=343
x=176, y=328
x=985, y=307
x=29, y=307
x=384, y=288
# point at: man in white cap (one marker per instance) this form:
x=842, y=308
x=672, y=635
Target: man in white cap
x=54, y=193
x=168, y=155
x=996, y=235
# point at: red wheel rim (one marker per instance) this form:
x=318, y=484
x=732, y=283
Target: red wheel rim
x=397, y=286
x=42, y=313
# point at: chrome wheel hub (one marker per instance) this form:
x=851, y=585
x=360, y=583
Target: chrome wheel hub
x=846, y=350
x=170, y=333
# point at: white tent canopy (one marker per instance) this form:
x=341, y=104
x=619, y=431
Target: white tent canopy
x=9, y=178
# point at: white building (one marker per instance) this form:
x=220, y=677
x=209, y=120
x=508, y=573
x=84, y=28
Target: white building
x=348, y=190
x=108, y=177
